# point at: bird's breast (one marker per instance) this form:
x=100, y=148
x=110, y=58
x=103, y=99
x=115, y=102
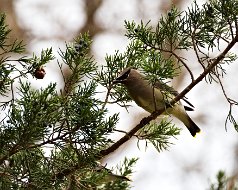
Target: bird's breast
x=149, y=99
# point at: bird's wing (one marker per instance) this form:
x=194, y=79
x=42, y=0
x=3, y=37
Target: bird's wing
x=164, y=87
x=188, y=108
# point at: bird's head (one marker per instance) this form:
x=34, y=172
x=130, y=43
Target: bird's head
x=127, y=75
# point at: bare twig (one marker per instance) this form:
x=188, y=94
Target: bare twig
x=230, y=101
x=184, y=64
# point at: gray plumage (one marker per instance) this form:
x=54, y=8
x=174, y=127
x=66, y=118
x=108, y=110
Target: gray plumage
x=155, y=97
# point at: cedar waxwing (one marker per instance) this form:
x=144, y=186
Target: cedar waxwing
x=155, y=97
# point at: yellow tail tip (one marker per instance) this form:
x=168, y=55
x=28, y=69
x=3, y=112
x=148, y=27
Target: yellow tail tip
x=199, y=132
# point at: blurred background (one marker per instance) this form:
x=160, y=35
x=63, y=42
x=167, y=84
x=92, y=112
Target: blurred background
x=191, y=163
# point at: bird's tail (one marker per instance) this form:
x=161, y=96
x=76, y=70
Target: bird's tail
x=192, y=127
x=179, y=112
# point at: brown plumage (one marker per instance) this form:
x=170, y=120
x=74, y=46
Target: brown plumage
x=155, y=97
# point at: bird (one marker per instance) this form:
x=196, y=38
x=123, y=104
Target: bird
x=154, y=97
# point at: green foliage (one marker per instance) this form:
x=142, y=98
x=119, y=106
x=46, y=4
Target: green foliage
x=224, y=182
x=158, y=68
x=221, y=181
x=124, y=170
x=37, y=62
x=53, y=140
x=77, y=59
x=46, y=136
x=5, y=47
x=159, y=134
x=29, y=117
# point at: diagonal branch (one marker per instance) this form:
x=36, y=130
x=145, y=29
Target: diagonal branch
x=155, y=114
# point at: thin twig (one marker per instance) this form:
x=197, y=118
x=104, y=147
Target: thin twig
x=229, y=100
x=107, y=97
x=184, y=64
x=196, y=50
x=178, y=58
x=231, y=30
x=121, y=131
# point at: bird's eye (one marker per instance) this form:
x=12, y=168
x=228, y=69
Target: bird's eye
x=124, y=75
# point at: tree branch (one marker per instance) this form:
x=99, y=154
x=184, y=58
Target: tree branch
x=151, y=117
x=155, y=114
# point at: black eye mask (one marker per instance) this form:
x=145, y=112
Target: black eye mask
x=124, y=75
